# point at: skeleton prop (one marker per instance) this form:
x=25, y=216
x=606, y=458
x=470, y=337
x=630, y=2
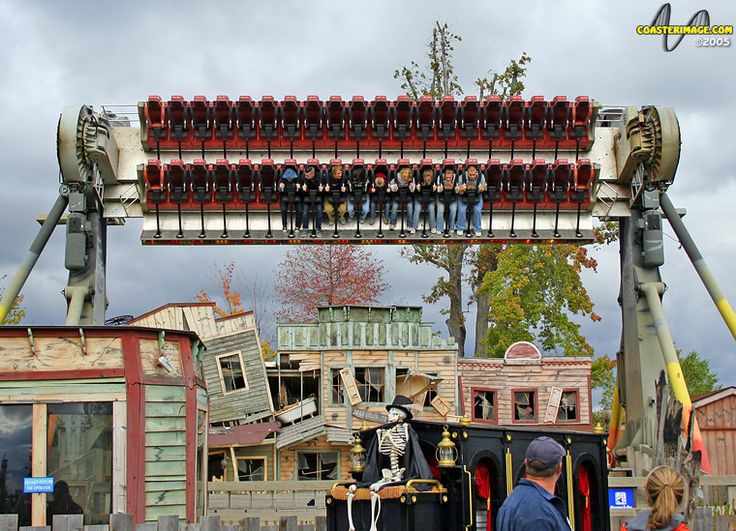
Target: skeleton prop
x=397, y=446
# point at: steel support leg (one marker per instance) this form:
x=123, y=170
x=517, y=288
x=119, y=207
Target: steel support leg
x=16, y=284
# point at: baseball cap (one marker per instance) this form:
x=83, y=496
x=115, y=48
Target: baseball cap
x=545, y=450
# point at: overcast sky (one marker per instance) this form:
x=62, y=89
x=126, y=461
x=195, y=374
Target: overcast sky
x=60, y=53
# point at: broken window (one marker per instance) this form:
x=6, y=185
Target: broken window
x=232, y=372
x=431, y=391
x=251, y=468
x=484, y=405
x=524, y=405
x=216, y=465
x=568, y=406
x=317, y=465
x=336, y=394
x=371, y=383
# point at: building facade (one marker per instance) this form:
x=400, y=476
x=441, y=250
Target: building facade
x=525, y=388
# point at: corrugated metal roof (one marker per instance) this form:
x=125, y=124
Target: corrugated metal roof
x=300, y=431
x=338, y=435
x=246, y=434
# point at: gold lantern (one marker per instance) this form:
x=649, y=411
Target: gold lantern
x=357, y=455
x=446, y=451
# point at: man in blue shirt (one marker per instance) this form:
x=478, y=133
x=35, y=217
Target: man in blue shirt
x=532, y=505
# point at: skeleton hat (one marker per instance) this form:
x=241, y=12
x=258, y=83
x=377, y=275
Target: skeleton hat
x=401, y=402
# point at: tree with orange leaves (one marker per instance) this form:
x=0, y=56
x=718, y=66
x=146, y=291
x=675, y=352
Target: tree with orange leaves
x=232, y=297
x=320, y=275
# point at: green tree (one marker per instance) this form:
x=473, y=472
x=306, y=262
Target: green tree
x=504, y=313
x=603, y=377
x=17, y=312
x=698, y=376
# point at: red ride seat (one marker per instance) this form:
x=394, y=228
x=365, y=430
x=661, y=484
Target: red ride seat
x=380, y=116
x=266, y=171
x=335, y=112
x=291, y=120
x=469, y=118
x=313, y=118
x=357, y=118
x=403, y=114
x=494, y=179
x=177, y=181
x=200, y=177
x=153, y=179
x=514, y=180
x=558, y=118
x=490, y=126
x=581, y=117
x=224, y=181
x=535, y=118
x=425, y=118
x=178, y=118
x=560, y=180
x=537, y=178
x=448, y=113
x=153, y=112
x=584, y=178
x=201, y=112
x=512, y=118
x=267, y=118
x=224, y=118
x=245, y=181
x=246, y=118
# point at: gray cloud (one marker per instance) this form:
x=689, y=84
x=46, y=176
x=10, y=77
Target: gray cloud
x=55, y=55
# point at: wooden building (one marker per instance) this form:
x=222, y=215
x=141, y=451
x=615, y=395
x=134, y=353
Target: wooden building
x=343, y=370
x=242, y=426
x=716, y=414
x=118, y=414
x=525, y=388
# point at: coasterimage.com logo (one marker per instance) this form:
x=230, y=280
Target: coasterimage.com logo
x=706, y=35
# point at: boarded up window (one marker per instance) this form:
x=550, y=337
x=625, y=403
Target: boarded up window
x=484, y=405
x=232, y=372
x=350, y=386
x=371, y=383
x=317, y=466
x=568, y=406
x=525, y=405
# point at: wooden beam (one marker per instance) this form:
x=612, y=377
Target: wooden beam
x=38, y=463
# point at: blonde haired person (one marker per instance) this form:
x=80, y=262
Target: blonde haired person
x=665, y=489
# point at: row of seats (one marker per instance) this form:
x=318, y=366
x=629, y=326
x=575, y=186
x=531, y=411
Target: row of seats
x=176, y=184
x=424, y=123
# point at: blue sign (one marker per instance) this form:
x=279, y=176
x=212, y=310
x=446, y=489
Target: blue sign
x=621, y=498
x=36, y=485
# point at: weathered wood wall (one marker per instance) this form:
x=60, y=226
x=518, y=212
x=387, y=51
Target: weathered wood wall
x=250, y=404
x=165, y=467
x=717, y=422
x=288, y=464
x=196, y=317
x=73, y=352
x=268, y=500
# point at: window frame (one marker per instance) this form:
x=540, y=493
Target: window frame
x=359, y=384
x=335, y=373
x=495, y=405
x=535, y=395
x=239, y=354
x=251, y=458
x=336, y=453
x=576, y=420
